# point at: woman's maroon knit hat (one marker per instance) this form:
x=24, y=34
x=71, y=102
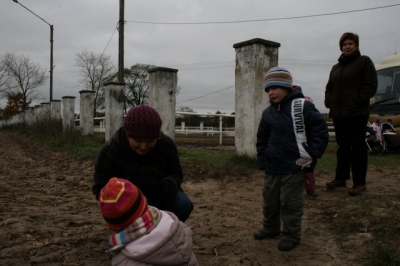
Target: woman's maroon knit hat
x=142, y=122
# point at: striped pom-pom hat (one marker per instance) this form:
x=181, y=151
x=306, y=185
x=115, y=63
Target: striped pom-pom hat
x=142, y=122
x=278, y=77
x=121, y=203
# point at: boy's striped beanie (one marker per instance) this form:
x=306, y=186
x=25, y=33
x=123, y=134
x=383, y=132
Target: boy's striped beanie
x=278, y=77
x=121, y=203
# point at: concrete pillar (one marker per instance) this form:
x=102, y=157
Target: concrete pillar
x=29, y=116
x=15, y=119
x=68, y=112
x=37, y=113
x=86, y=121
x=114, y=102
x=162, y=96
x=22, y=117
x=45, y=111
x=55, y=109
x=253, y=59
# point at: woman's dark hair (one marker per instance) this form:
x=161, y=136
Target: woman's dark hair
x=348, y=36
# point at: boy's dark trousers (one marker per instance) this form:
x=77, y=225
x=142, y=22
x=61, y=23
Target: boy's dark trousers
x=283, y=199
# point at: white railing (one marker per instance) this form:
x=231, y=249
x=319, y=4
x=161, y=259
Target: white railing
x=209, y=131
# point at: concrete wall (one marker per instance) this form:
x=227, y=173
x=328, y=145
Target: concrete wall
x=253, y=58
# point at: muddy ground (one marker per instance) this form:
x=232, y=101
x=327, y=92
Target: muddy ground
x=48, y=215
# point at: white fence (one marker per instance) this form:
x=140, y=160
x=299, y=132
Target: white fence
x=209, y=131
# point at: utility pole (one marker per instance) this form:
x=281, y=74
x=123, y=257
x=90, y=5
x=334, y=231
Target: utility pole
x=51, y=62
x=121, y=41
x=51, y=47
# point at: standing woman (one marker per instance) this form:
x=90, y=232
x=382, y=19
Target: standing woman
x=352, y=82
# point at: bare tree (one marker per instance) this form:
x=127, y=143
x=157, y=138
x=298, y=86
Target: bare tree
x=23, y=76
x=4, y=77
x=95, y=68
x=137, y=85
x=185, y=109
x=136, y=81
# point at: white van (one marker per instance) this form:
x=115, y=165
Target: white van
x=386, y=102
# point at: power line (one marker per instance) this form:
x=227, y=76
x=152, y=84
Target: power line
x=309, y=85
x=261, y=20
x=205, y=95
x=73, y=87
x=116, y=27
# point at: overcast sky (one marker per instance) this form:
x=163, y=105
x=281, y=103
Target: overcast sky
x=203, y=53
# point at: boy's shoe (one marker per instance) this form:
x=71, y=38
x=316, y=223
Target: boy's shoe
x=312, y=193
x=336, y=183
x=355, y=191
x=286, y=245
x=262, y=234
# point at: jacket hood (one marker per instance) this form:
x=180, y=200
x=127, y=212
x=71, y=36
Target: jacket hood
x=296, y=92
x=166, y=244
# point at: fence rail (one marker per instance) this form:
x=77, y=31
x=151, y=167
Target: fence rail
x=209, y=131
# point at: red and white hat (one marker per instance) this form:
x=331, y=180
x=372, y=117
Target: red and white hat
x=121, y=203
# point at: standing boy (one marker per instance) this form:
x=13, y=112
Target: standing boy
x=291, y=135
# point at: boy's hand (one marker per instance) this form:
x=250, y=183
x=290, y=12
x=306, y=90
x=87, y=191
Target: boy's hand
x=304, y=162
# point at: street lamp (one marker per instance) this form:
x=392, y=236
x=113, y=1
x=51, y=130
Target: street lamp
x=51, y=48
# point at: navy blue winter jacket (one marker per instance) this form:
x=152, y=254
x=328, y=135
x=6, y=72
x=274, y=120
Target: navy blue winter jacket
x=278, y=145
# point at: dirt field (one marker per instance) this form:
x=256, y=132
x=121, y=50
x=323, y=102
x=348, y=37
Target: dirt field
x=48, y=215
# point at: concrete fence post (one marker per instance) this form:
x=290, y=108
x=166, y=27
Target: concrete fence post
x=55, y=109
x=86, y=120
x=37, y=113
x=45, y=111
x=115, y=99
x=68, y=113
x=253, y=59
x=162, y=96
x=29, y=116
x=22, y=117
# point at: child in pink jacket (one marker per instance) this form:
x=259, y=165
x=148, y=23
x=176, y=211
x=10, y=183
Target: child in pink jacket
x=143, y=235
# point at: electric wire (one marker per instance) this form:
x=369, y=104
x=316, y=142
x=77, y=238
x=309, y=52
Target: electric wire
x=196, y=66
x=116, y=27
x=100, y=56
x=205, y=95
x=73, y=87
x=262, y=20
